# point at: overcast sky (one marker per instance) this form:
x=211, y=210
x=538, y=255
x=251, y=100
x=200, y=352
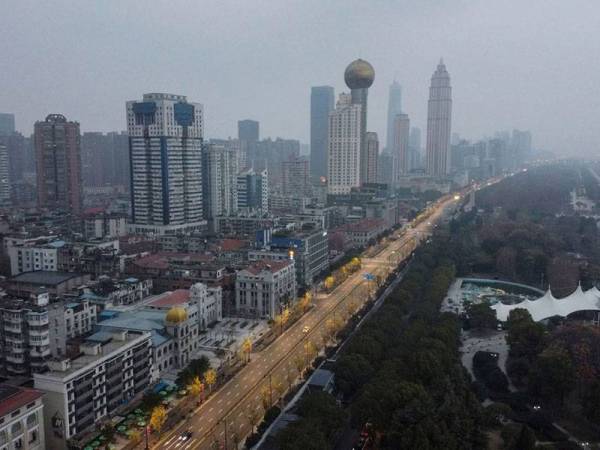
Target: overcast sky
x=528, y=64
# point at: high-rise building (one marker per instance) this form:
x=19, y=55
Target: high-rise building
x=7, y=124
x=439, y=123
x=295, y=177
x=219, y=181
x=58, y=163
x=234, y=145
x=401, y=146
x=385, y=168
x=269, y=154
x=414, y=145
x=105, y=159
x=394, y=108
x=359, y=76
x=321, y=104
x=344, y=146
x=372, y=143
x=165, y=150
x=248, y=130
x=521, y=145
x=4, y=177
x=253, y=190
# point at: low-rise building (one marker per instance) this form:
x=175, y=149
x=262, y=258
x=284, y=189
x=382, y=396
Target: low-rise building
x=68, y=320
x=34, y=256
x=103, y=226
x=79, y=392
x=21, y=419
x=174, y=320
x=55, y=283
x=265, y=288
x=309, y=248
x=362, y=232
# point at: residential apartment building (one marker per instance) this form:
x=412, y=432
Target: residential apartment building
x=264, y=288
x=58, y=164
x=24, y=335
x=110, y=370
x=253, y=190
x=308, y=248
x=219, y=178
x=165, y=145
x=21, y=419
x=344, y=146
x=105, y=226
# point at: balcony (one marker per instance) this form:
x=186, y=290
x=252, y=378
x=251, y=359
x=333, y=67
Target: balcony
x=41, y=332
x=37, y=321
x=15, y=358
x=13, y=327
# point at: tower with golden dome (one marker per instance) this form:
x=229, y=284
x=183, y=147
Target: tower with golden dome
x=359, y=77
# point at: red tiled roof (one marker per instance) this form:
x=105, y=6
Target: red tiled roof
x=14, y=397
x=229, y=245
x=267, y=264
x=176, y=297
x=364, y=225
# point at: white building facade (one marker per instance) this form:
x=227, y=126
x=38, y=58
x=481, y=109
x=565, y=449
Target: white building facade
x=79, y=393
x=219, y=176
x=264, y=288
x=165, y=148
x=21, y=419
x=344, y=146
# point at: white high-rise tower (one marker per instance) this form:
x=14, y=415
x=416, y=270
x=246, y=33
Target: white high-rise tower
x=165, y=150
x=439, y=123
x=345, y=138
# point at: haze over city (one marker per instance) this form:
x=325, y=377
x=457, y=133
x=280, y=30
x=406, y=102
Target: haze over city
x=528, y=65
x=299, y=225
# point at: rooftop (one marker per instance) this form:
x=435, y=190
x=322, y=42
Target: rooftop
x=269, y=265
x=44, y=278
x=109, y=346
x=13, y=397
x=167, y=299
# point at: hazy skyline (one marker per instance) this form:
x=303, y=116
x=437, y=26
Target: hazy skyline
x=528, y=65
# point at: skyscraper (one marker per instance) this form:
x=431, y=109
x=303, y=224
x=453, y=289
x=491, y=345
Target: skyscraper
x=394, y=108
x=7, y=124
x=372, y=143
x=439, y=123
x=219, y=180
x=4, y=178
x=321, y=104
x=253, y=190
x=294, y=179
x=248, y=130
x=521, y=146
x=58, y=163
x=343, y=169
x=359, y=76
x=414, y=145
x=165, y=150
x=400, y=146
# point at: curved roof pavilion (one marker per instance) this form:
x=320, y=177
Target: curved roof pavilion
x=550, y=306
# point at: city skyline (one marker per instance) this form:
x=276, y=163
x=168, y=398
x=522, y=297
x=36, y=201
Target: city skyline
x=505, y=69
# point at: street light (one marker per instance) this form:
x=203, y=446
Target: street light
x=305, y=330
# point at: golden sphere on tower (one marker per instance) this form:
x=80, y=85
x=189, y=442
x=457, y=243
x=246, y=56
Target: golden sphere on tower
x=359, y=74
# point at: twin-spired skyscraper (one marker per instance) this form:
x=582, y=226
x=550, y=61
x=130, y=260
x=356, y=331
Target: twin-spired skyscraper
x=439, y=123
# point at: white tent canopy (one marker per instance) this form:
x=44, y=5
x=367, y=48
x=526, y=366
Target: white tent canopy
x=549, y=306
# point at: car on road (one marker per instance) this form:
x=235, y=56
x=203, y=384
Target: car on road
x=186, y=435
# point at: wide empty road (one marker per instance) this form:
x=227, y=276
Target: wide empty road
x=230, y=414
